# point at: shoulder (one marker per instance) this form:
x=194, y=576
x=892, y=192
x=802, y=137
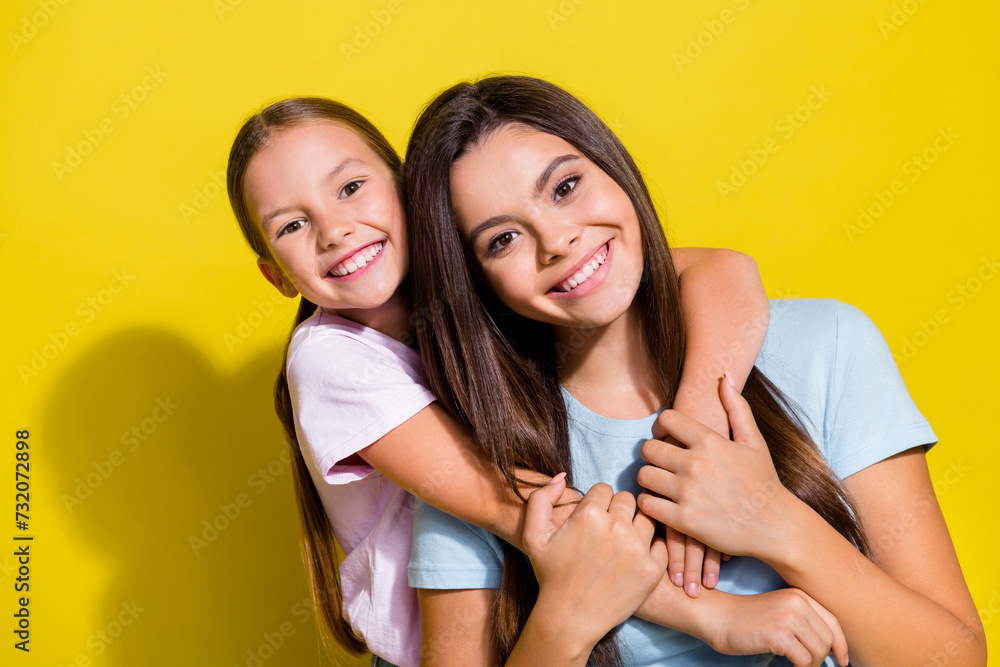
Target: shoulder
x=349, y=385
x=832, y=363
x=327, y=345
x=449, y=553
x=817, y=333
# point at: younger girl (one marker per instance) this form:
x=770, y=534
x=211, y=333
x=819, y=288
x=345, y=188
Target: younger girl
x=316, y=190
x=514, y=186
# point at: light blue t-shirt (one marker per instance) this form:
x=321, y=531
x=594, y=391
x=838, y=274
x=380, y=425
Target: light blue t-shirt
x=833, y=365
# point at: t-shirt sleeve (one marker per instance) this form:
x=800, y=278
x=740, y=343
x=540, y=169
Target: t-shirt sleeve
x=449, y=553
x=346, y=394
x=869, y=415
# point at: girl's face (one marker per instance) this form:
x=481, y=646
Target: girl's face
x=332, y=216
x=557, y=239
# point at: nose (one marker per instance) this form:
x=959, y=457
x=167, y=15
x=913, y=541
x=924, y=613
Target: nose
x=332, y=230
x=556, y=238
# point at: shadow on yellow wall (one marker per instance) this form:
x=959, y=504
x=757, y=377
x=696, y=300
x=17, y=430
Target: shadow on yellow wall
x=181, y=475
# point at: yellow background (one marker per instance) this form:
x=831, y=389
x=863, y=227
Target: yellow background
x=149, y=96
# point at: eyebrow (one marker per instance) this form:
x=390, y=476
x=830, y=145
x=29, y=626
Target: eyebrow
x=543, y=178
x=546, y=174
x=336, y=171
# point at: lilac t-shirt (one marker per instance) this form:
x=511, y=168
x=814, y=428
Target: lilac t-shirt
x=349, y=386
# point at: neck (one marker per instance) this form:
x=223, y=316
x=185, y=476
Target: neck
x=391, y=318
x=607, y=368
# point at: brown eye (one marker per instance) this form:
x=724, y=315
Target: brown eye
x=293, y=226
x=350, y=188
x=500, y=242
x=565, y=188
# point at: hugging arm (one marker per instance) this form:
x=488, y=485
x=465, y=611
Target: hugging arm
x=433, y=457
x=906, y=605
x=726, y=314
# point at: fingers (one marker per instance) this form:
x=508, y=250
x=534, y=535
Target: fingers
x=740, y=416
x=694, y=556
x=663, y=510
x=816, y=640
x=644, y=526
x=691, y=563
x=662, y=483
x=662, y=454
x=818, y=635
x=839, y=641
x=682, y=427
x=710, y=571
x=675, y=543
x=622, y=505
x=658, y=552
x=538, y=515
x=600, y=494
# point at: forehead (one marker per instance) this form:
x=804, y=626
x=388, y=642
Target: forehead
x=513, y=143
x=301, y=155
x=503, y=167
x=305, y=144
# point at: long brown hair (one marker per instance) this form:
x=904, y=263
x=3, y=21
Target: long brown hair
x=318, y=543
x=497, y=371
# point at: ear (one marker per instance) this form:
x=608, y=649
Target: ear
x=275, y=276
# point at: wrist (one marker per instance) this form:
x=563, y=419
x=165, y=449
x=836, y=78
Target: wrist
x=791, y=544
x=702, y=406
x=557, y=628
x=670, y=607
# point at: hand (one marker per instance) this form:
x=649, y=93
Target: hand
x=785, y=622
x=726, y=494
x=595, y=570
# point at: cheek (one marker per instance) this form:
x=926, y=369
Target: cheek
x=512, y=282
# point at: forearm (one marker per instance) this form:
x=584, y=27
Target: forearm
x=886, y=622
x=726, y=314
x=549, y=638
x=670, y=607
x=432, y=456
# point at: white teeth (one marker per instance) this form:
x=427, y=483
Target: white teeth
x=586, y=271
x=357, y=261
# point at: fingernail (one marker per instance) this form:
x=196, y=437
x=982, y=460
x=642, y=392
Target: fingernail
x=558, y=478
x=692, y=590
x=729, y=379
x=678, y=579
x=711, y=580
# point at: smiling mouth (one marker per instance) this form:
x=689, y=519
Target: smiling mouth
x=584, y=273
x=357, y=261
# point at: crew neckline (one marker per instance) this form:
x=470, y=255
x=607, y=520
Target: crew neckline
x=583, y=415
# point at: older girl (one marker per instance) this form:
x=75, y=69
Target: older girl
x=530, y=219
